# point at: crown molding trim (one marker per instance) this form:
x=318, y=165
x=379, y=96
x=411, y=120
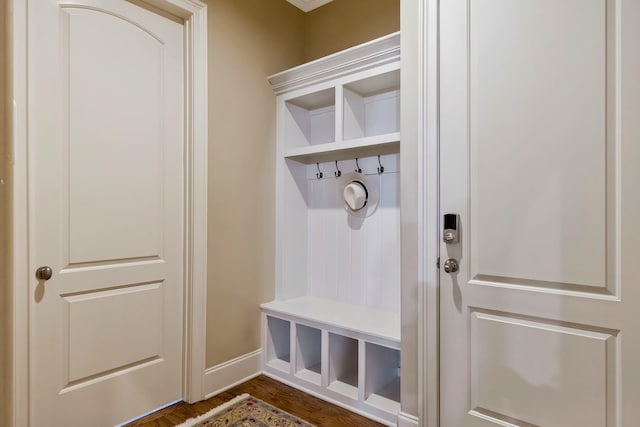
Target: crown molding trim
x=368, y=55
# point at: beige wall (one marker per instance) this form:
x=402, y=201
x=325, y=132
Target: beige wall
x=248, y=40
x=345, y=23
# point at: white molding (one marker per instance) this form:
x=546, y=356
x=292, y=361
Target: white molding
x=359, y=58
x=19, y=234
x=233, y=372
x=428, y=213
x=196, y=215
x=406, y=420
x=194, y=14
x=308, y=5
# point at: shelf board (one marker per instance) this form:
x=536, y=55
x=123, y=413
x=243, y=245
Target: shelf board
x=279, y=364
x=310, y=375
x=383, y=403
x=344, y=389
x=348, y=149
x=363, y=320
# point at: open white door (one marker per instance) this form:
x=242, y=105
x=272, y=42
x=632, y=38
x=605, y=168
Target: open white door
x=540, y=160
x=106, y=191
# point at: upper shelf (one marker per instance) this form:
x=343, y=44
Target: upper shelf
x=345, y=150
x=355, y=114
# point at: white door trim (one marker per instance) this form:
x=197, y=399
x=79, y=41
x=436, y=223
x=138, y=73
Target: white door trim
x=420, y=50
x=194, y=14
x=428, y=215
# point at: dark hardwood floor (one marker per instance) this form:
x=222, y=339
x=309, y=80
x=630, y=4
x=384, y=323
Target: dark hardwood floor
x=296, y=402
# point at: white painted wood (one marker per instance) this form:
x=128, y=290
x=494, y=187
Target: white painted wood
x=122, y=211
x=310, y=119
x=362, y=58
x=562, y=119
x=222, y=377
x=92, y=345
x=372, y=106
x=343, y=365
x=547, y=300
x=407, y=420
x=17, y=150
x=347, y=150
x=84, y=196
x=382, y=377
x=335, y=273
x=420, y=213
x=337, y=399
x=193, y=13
x=361, y=320
x=538, y=362
x=278, y=343
x=308, y=353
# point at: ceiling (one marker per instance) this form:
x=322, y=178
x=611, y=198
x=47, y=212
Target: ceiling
x=307, y=5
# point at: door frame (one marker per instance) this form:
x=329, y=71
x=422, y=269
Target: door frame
x=420, y=214
x=194, y=15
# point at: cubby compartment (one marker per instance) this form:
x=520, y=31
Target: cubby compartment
x=343, y=365
x=382, y=377
x=278, y=343
x=310, y=119
x=308, y=353
x=372, y=106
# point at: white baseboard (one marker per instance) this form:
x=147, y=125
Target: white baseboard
x=231, y=373
x=406, y=420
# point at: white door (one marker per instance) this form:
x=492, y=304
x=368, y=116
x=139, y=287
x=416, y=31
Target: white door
x=540, y=158
x=106, y=211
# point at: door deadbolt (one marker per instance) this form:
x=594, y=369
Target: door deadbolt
x=450, y=231
x=451, y=266
x=44, y=273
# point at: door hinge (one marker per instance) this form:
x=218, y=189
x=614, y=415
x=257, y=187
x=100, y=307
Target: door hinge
x=438, y=263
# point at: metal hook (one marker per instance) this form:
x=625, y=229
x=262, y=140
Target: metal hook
x=319, y=175
x=380, y=167
x=338, y=172
x=358, y=166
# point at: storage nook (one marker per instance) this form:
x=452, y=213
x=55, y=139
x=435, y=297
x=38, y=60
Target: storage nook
x=333, y=329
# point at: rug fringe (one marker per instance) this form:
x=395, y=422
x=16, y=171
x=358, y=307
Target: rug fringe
x=193, y=421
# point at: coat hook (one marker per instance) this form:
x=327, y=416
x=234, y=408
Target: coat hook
x=358, y=166
x=380, y=167
x=338, y=172
x=319, y=175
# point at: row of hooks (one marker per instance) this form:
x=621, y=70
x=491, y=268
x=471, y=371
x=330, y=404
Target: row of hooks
x=338, y=172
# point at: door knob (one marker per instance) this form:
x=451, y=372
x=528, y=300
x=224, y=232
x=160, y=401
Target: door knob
x=451, y=266
x=44, y=273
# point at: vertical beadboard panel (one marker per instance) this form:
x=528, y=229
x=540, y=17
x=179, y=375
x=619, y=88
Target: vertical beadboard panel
x=389, y=296
x=356, y=261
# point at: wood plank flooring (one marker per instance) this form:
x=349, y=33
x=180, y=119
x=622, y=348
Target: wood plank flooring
x=289, y=399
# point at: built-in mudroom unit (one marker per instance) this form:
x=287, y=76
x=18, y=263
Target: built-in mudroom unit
x=333, y=329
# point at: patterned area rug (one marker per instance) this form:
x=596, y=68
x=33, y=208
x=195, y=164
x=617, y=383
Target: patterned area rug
x=246, y=411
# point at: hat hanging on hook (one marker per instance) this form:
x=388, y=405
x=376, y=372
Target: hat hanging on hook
x=360, y=193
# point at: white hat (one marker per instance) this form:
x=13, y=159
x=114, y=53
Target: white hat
x=361, y=194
